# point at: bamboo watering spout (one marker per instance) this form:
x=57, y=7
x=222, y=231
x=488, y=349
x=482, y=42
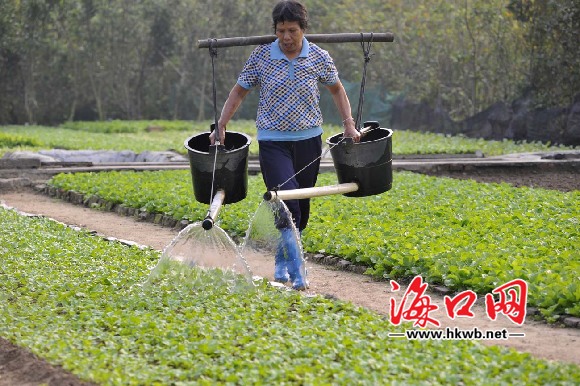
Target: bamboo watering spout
x=296, y=194
x=214, y=210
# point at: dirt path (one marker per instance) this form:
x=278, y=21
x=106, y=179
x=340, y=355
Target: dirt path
x=541, y=340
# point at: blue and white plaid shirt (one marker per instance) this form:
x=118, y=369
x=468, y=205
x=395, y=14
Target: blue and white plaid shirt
x=289, y=96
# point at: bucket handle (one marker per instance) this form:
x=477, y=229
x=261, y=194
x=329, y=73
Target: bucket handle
x=368, y=127
x=219, y=146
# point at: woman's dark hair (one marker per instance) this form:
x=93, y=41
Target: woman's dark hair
x=290, y=10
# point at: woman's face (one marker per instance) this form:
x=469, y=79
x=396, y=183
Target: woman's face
x=290, y=36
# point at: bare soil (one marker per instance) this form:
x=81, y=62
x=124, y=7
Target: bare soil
x=551, y=342
x=555, y=179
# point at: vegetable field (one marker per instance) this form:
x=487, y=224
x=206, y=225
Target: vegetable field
x=76, y=300
x=462, y=234
x=134, y=135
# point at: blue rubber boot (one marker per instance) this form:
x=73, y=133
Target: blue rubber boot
x=294, y=262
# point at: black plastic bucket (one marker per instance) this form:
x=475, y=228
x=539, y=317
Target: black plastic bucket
x=231, y=166
x=368, y=163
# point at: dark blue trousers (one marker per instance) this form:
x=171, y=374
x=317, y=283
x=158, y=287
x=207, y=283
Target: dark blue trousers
x=281, y=160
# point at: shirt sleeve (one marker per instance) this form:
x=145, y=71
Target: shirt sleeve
x=250, y=75
x=329, y=73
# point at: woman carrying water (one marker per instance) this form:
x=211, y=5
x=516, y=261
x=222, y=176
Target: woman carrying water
x=289, y=120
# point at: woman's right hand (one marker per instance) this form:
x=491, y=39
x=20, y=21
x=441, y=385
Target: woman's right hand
x=222, y=135
x=237, y=94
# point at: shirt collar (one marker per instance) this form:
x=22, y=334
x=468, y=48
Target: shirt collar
x=276, y=52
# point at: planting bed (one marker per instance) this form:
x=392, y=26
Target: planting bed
x=541, y=340
x=565, y=180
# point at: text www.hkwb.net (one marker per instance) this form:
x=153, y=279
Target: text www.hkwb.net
x=457, y=334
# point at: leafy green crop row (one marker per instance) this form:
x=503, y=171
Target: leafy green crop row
x=463, y=234
x=117, y=126
x=57, y=138
x=131, y=135
x=412, y=142
x=75, y=300
x=15, y=141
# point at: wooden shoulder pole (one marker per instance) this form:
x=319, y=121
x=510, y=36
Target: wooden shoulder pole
x=314, y=38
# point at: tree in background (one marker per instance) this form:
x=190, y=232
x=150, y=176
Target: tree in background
x=553, y=33
x=115, y=59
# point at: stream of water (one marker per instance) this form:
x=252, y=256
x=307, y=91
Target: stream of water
x=265, y=253
x=197, y=248
x=273, y=253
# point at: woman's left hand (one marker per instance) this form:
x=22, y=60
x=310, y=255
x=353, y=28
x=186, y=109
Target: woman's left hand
x=350, y=131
